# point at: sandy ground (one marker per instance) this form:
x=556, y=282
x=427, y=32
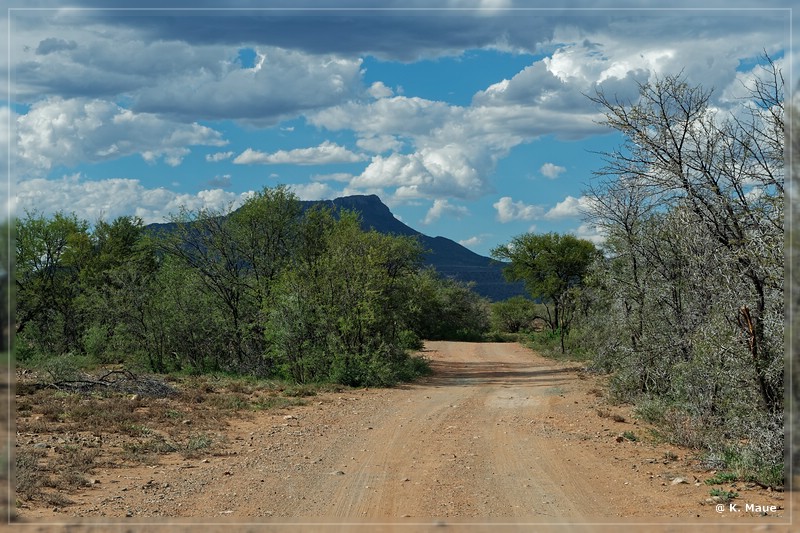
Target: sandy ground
x=497, y=437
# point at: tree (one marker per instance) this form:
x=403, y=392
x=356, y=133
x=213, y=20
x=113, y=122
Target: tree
x=116, y=290
x=238, y=256
x=447, y=309
x=342, y=311
x=514, y=315
x=553, y=267
x=728, y=173
x=690, y=288
x=50, y=254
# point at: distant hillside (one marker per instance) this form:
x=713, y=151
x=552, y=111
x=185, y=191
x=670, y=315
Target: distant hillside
x=448, y=257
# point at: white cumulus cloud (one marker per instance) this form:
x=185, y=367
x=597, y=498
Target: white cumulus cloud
x=324, y=154
x=509, y=210
x=447, y=170
x=110, y=198
x=591, y=233
x=380, y=143
x=79, y=130
x=472, y=241
x=442, y=207
x=219, y=156
x=314, y=191
x=569, y=207
x=380, y=90
x=286, y=84
x=551, y=171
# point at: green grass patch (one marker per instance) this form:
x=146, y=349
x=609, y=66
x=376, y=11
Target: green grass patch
x=629, y=435
x=724, y=495
x=722, y=478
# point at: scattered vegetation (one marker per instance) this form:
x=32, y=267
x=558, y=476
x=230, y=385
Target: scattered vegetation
x=724, y=495
x=670, y=456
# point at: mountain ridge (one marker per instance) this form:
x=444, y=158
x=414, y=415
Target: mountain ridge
x=448, y=257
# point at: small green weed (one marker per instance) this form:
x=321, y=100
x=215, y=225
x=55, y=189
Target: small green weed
x=195, y=445
x=721, y=478
x=630, y=436
x=724, y=495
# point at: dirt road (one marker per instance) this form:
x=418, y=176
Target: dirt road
x=497, y=433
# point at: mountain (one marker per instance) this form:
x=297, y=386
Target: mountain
x=448, y=257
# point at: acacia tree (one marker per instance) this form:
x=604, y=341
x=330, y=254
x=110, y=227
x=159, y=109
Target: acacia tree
x=553, y=267
x=693, y=268
x=727, y=173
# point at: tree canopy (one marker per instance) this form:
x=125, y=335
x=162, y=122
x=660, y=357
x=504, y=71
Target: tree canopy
x=553, y=267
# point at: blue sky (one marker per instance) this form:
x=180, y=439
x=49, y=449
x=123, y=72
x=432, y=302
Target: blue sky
x=472, y=124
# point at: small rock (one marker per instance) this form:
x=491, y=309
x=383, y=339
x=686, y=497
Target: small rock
x=678, y=481
x=337, y=473
x=134, y=397
x=41, y=445
x=186, y=422
x=620, y=438
x=290, y=417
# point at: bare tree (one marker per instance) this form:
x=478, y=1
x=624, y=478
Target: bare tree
x=679, y=153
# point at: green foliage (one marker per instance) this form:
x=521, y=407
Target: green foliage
x=513, y=315
x=49, y=256
x=264, y=290
x=722, y=478
x=553, y=268
x=630, y=435
x=723, y=495
x=446, y=309
x=341, y=312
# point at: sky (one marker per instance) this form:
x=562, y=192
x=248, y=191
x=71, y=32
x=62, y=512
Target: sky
x=471, y=121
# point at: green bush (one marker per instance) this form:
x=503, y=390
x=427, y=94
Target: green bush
x=513, y=315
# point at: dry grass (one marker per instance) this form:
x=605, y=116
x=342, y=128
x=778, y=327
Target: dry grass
x=64, y=437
